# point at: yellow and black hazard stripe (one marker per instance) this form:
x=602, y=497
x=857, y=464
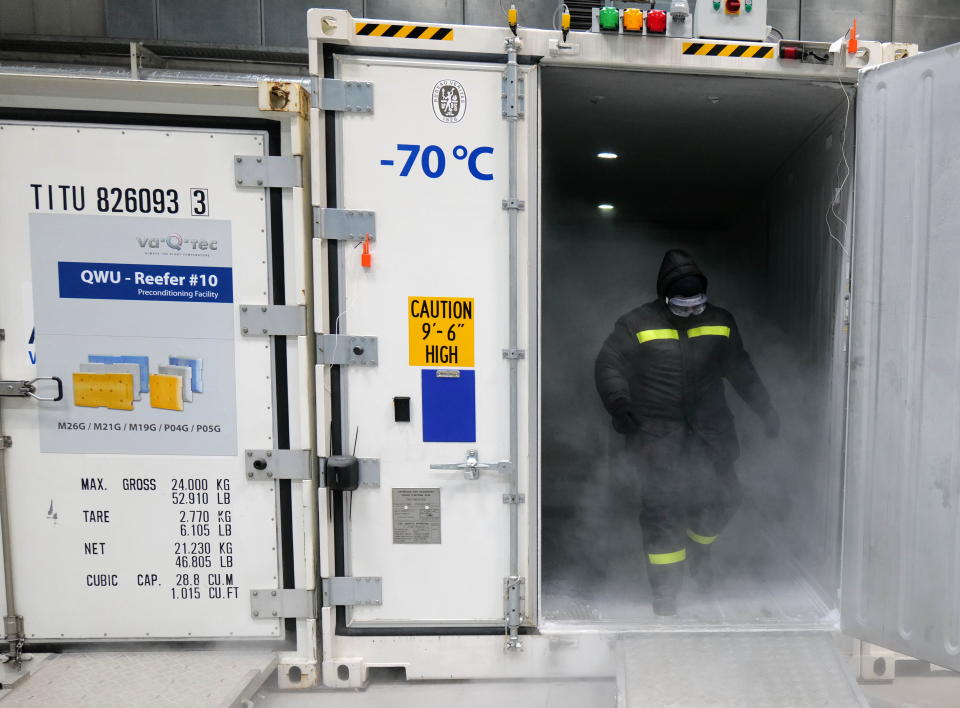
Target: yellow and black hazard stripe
x=374, y=29
x=713, y=49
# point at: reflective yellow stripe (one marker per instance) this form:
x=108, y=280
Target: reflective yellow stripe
x=407, y=29
x=650, y=334
x=708, y=330
x=379, y=30
x=429, y=33
x=705, y=540
x=727, y=50
x=668, y=558
x=753, y=50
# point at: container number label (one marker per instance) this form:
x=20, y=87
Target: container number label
x=441, y=331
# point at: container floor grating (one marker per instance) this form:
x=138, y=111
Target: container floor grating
x=732, y=670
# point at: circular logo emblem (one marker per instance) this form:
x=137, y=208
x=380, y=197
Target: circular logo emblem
x=449, y=101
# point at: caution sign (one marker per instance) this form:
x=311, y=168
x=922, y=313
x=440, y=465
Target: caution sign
x=441, y=331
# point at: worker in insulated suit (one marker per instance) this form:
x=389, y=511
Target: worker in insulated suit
x=660, y=374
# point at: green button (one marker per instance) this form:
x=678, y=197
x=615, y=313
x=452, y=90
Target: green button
x=749, y=6
x=609, y=18
x=716, y=4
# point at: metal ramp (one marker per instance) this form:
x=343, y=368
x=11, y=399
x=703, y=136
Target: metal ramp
x=148, y=679
x=733, y=670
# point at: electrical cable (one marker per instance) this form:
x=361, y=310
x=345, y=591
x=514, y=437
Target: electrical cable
x=845, y=164
x=777, y=31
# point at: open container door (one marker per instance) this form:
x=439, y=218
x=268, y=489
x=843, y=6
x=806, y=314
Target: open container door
x=424, y=292
x=901, y=547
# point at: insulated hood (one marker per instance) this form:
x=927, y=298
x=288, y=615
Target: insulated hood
x=677, y=264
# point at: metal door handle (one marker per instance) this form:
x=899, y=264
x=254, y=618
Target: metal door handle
x=22, y=389
x=471, y=468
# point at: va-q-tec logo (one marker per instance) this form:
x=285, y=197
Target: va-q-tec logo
x=176, y=242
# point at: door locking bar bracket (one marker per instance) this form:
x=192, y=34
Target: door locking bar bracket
x=344, y=224
x=259, y=171
x=345, y=96
x=514, y=498
x=28, y=389
x=273, y=320
x=514, y=354
x=352, y=591
x=5, y=442
x=369, y=471
x=517, y=204
x=283, y=604
x=266, y=465
x=346, y=350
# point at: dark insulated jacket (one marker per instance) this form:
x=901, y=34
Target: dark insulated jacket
x=669, y=370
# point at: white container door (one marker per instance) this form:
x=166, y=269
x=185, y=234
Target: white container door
x=901, y=541
x=431, y=162
x=126, y=253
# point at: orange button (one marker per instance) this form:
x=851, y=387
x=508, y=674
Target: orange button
x=633, y=20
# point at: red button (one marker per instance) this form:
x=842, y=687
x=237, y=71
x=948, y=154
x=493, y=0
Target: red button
x=657, y=21
x=733, y=7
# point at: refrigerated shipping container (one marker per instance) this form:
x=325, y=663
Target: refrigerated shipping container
x=420, y=281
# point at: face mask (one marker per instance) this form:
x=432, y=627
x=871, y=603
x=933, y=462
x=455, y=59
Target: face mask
x=687, y=306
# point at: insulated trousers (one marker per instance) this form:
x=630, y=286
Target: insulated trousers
x=688, y=494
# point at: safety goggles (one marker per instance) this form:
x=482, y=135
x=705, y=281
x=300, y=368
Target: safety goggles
x=687, y=306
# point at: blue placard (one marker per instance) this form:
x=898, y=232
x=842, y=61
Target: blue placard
x=132, y=281
x=449, y=405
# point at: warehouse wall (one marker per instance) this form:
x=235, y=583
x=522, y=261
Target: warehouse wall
x=279, y=23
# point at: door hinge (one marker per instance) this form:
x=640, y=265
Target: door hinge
x=346, y=350
x=344, y=224
x=514, y=598
x=283, y=603
x=351, y=591
x=346, y=96
x=273, y=320
x=265, y=465
x=368, y=473
x=513, y=99
x=260, y=171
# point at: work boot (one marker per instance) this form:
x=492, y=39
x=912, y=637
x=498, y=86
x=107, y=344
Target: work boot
x=665, y=606
x=701, y=570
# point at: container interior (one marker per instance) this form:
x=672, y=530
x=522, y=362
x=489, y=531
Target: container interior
x=743, y=173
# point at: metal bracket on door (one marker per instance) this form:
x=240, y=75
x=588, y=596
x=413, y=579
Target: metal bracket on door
x=352, y=591
x=514, y=101
x=25, y=389
x=369, y=471
x=472, y=467
x=346, y=96
x=344, y=224
x=274, y=603
x=266, y=465
x=273, y=320
x=346, y=350
x=267, y=171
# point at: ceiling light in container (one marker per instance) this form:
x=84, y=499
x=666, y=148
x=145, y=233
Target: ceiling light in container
x=605, y=207
x=607, y=155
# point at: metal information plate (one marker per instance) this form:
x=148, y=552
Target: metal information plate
x=416, y=516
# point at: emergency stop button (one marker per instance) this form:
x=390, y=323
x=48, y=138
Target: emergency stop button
x=733, y=7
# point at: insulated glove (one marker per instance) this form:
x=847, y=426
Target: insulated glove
x=623, y=420
x=771, y=423
x=625, y=423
